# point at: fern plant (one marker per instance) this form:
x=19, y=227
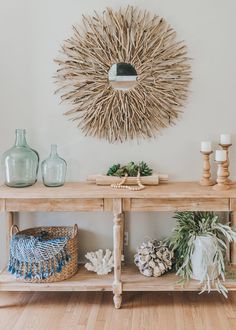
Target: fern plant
x=191, y=225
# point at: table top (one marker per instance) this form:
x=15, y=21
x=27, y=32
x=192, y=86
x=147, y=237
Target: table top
x=91, y=190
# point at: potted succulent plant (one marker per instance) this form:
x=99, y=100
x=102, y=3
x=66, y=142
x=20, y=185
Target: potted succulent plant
x=199, y=244
x=131, y=169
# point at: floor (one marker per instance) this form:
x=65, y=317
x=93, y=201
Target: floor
x=94, y=311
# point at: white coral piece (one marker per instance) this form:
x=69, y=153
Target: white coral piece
x=100, y=263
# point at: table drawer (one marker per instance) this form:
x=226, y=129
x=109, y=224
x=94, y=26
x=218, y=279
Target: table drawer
x=177, y=204
x=54, y=205
x=233, y=204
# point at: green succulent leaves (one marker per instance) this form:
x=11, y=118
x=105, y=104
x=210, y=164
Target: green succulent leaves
x=131, y=169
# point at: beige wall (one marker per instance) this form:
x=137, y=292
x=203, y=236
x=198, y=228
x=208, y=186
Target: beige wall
x=31, y=33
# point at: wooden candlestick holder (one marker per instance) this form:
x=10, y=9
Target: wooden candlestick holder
x=222, y=175
x=206, y=175
x=226, y=163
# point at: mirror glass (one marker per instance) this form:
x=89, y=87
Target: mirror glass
x=122, y=76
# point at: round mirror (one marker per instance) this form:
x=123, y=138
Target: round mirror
x=122, y=76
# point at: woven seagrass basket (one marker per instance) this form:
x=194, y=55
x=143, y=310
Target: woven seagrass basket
x=71, y=267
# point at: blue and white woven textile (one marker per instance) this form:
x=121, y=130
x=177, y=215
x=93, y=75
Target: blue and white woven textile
x=37, y=257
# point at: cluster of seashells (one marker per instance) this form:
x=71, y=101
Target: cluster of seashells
x=153, y=258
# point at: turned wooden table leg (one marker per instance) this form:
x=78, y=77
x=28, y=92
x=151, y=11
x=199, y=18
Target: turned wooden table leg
x=9, y=223
x=122, y=237
x=227, y=242
x=117, y=246
x=233, y=245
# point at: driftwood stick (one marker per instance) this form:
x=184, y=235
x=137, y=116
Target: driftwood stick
x=152, y=180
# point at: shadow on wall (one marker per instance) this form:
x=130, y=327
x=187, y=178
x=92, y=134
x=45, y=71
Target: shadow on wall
x=91, y=241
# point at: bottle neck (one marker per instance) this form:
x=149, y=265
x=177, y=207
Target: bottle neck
x=53, y=150
x=20, y=138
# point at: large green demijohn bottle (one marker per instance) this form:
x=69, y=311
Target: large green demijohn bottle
x=20, y=163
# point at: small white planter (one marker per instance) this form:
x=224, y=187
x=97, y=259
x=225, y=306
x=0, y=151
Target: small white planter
x=202, y=258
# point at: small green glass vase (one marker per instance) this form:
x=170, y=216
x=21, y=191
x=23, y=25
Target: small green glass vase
x=54, y=169
x=20, y=163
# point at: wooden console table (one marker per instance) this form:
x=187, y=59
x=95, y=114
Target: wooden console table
x=172, y=196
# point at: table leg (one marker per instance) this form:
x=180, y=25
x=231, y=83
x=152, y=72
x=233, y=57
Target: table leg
x=122, y=237
x=117, y=248
x=227, y=242
x=9, y=223
x=233, y=245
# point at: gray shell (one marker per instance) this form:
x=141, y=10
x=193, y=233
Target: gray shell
x=153, y=258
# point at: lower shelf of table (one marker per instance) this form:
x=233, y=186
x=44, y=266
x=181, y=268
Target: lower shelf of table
x=132, y=280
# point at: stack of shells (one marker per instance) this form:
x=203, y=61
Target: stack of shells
x=153, y=258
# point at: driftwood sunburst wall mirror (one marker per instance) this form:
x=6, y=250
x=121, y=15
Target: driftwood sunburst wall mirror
x=124, y=73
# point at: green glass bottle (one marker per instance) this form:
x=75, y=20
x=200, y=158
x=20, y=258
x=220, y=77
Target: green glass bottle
x=20, y=163
x=54, y=169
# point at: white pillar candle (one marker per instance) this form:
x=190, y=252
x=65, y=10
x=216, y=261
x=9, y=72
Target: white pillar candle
x=225, y=139
x=206, y=146
x=220, y=155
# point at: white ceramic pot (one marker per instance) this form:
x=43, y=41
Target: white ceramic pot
x=202, y=258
